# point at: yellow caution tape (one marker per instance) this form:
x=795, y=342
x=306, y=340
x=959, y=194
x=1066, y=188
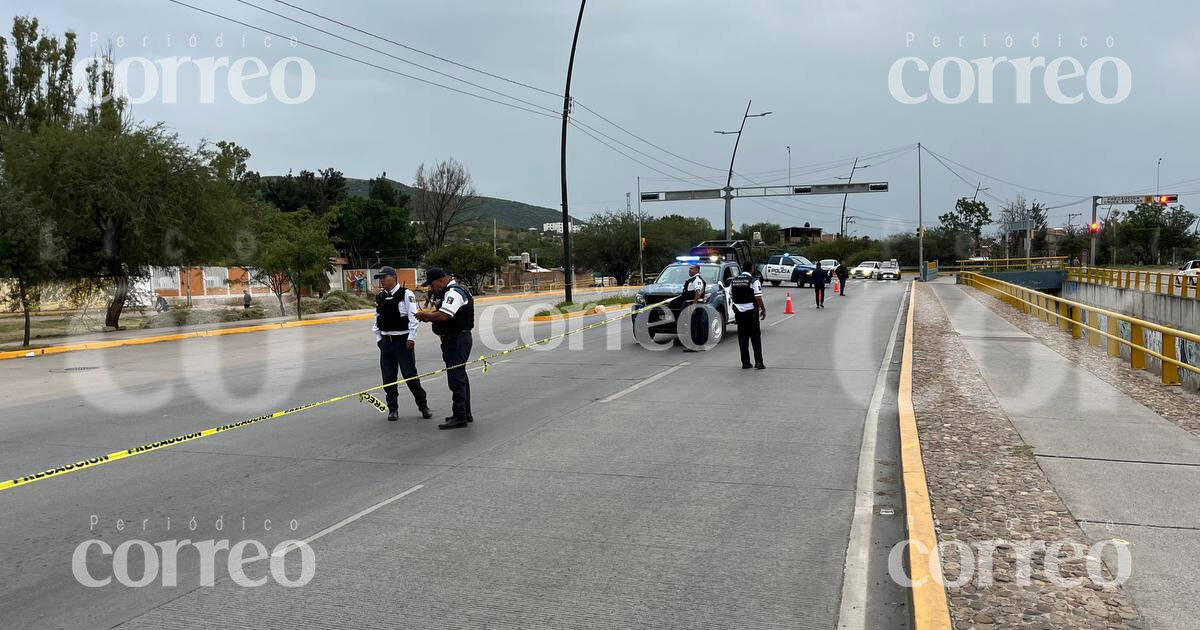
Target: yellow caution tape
x=363, y=395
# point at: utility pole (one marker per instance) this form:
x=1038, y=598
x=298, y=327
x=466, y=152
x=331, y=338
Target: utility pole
x=1157, y=177
x=1095, y=235
x=920, y=213
x=568, y=267
x=1070, y=216
x=975, y=197
x=729, y=180
x=789, y=148
x=495, y=271
x=641, y=265
x=842, y=221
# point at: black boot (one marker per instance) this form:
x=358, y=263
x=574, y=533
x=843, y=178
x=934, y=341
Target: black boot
x=426, y=413
x=393, y=415
x=453, y=423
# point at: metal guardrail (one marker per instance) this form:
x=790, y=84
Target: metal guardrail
x=1160, y=282
x=1080, y=319
x=1014, y=264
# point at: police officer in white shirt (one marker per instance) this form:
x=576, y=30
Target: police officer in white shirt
x=745, y=291
x=453, y=321
x=693, y=293
x=395, y=331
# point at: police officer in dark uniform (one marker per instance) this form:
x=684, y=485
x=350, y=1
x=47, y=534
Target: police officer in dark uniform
x=395, y=331
x=746, y=292
x=693, y=293
x=452, y=321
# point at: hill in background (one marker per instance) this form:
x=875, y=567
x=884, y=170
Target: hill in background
x=507, y=213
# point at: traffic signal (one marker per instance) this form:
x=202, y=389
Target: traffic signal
x=644, y=243
x=1094, y=227
x=1163, y=200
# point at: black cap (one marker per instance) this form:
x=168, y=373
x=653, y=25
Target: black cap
x=433, y=273
x=385, y=271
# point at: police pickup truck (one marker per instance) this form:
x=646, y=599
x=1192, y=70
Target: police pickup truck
x=719, y=261
x=787, y=268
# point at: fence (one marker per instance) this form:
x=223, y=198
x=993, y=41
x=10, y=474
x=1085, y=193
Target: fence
x=1014, y=264
x=1160, y=282
x=1082, y=319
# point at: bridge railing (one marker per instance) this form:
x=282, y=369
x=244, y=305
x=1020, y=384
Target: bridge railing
x=1081, y=319
x=1013, y=264
x=1161, y=282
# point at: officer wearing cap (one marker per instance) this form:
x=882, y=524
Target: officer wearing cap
x=395, y=331
x=453, y=320
x=745, y=290
x=693, y=294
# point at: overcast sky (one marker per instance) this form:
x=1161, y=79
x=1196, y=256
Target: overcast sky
x=672, y=72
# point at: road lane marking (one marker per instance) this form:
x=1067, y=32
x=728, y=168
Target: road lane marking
x=643, y=383
x=782, y=320
x=349, y=519
x=853, y=613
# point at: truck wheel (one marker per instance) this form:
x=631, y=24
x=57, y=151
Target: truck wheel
x=716, y=330
x=774, y=283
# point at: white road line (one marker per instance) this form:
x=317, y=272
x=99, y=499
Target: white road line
x=643, y=383
x=853, y=613
x=350, y=519
x=782, y=320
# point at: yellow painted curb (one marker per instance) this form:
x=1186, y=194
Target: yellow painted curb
x=572, y=314
x=137, y=341
x=929, y=608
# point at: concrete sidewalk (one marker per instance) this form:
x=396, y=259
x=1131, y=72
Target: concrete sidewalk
x=1123, y=471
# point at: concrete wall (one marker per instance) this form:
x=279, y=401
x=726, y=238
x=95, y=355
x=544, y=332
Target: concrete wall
x=1165, y=310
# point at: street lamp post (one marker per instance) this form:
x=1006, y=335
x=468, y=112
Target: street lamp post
x=568, y=267
x=728, y=190
x=789, y=148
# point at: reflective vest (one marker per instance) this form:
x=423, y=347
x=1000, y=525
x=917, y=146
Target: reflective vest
x=740, y=289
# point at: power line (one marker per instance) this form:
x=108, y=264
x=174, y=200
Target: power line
x=397, y=58
x=417, y=50
x=1004, y=181
x=357, y=60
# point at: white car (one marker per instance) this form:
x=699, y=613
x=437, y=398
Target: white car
x=889, y=271
x=865, y=269
x=1191, y=270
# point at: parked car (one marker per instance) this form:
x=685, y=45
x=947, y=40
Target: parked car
x=865, y=269
x=669, y=286
x=786, y=268
x=889, y=270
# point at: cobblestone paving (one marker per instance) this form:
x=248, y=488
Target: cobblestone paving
x=988, y=492
x=1176, y=404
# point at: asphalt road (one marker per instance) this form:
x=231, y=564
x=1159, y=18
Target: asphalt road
x=602, y=485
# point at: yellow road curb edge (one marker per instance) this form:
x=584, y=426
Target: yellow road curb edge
x=929, y=608
x=573, y=314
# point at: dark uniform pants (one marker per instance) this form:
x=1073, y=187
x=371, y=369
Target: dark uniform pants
x=456, y=349
x=819, y=293
x=699, y=324
x=393, y=353
x=749, y=332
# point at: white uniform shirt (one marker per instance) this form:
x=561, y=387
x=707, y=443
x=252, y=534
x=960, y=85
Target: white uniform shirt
x=691, y=285
x=756, y=286
x=451, y=300
x=407, y=305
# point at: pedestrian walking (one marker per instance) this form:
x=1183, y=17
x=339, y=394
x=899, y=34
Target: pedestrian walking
x=395, y=331
x=246, y=298
x=818, y=279
x=693, y=295
x=746, y=292
x=452, y=320
x=843, y=274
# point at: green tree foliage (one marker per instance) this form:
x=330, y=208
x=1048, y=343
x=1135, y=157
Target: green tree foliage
x=608, y=244
x=470, y=263
x=294, y=252
x=36, y=82
x=769, y=231
x=379, y=223
x=319, y=192
x=670, y=236
x=29, y=252
x=968, y=217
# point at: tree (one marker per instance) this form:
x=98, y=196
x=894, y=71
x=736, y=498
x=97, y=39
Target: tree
x=671, y=236
x=968, y=217
x=444, y=200
x=770, y=232
x=609, y=244
x=366, y=226
x=37, y=87
x=296, y=248
x=471, y=263
x=29, y=252
x=291, y=192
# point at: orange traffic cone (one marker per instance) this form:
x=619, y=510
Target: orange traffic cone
x=835, y=286
x=787, y=310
